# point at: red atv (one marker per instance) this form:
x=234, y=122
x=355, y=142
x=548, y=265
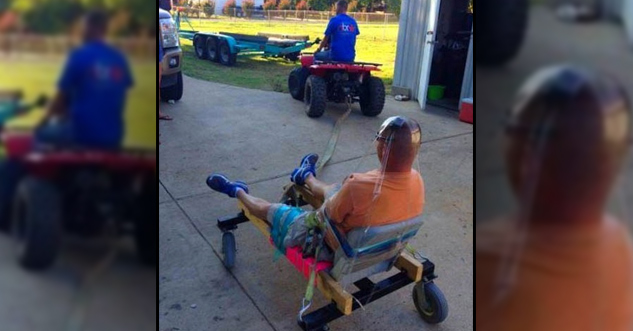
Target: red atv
x=79, y=191
x=317, y=82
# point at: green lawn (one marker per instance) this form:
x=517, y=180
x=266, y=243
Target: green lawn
x=376, y=43
x=36, y=76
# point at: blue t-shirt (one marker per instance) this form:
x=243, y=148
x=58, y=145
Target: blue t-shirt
x=342, y=31
x=95, y=80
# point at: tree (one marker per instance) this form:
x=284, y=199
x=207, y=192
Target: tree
x=320, y=5
x=209, y=8
x=393, y=6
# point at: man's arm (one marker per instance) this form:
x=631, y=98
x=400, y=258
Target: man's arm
x=57, y=108
x=324, y=43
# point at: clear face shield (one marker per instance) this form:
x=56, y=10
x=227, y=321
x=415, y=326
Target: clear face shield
x=377, y=208
x=566, y=155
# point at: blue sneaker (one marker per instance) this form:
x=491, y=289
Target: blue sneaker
x=306, y=167
x=222, y=184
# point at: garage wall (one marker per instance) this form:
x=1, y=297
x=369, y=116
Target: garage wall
x=411, y=36
x=467, y=87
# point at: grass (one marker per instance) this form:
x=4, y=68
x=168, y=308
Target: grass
x=376, y=43
x=37, y=76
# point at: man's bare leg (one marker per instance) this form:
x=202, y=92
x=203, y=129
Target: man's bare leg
x=256, y=206
x=318, y=188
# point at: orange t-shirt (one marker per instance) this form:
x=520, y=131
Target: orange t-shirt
x=567, y=278
x=401, y=198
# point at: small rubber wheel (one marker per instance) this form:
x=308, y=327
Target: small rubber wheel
x=315, y=96
x=431, y=306
x=226, y=58
x=297, y=82
x=199, y=44
x=212, y=49
x=228, y=249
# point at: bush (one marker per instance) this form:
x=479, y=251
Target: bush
x=284, y=5
x=229, y=8
x=269, y=5
x=302, y=5
x=247, y=7
x=208, y=7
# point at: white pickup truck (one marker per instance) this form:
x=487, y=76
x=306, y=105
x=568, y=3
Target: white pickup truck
x=171, y=86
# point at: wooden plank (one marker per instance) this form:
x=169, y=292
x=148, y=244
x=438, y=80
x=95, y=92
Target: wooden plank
x=412, y=266
x=259, y=223
x=332, y=290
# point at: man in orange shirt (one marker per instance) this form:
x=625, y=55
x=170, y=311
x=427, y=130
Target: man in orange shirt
x=355, y=203
x=560, y=263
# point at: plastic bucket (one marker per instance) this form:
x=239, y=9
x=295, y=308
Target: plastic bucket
x=436, y=92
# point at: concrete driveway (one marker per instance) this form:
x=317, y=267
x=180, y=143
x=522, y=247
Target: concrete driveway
x=259, y=137
x=600, y=45
x=122, y=296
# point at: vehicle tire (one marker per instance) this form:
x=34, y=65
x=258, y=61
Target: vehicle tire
x=228, y=249
x=437, y=309
x=146, y=227
x=372, y=99
x=292, y=56
x=10, y=175
x=173, y=92
x=212, y=49
x=199, y=44
x=36, y=223
x=226, y=58
x=315, y=96
x=297, y=82
x=502, y=31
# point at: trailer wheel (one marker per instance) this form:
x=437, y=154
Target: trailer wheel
x=226, y=58
x=297, y=82
x=430, y=302
x=292, y=56
x=372, y=99
x=212, y=49
x=502, y=31
x=199, y=45
x=315, y=96
x=36, y=225
x=228, y=249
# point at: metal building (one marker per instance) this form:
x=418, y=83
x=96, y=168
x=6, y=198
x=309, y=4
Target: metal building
x=434, y=48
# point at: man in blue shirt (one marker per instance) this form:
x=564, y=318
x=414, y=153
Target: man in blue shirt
x=340, y=37
x=92, y=91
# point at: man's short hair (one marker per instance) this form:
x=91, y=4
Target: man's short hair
x=342, y=4
x=97, y=19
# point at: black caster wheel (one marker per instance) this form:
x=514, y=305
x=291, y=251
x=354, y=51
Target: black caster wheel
x=228, y=249
x=430, y=302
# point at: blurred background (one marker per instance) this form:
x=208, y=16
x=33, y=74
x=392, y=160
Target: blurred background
x=515, y=39
x=97, y=282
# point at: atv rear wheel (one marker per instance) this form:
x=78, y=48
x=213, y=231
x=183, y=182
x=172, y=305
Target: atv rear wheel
x=36, y=224
x=146, y=227
x=502, y=31
x=372, y=100
x=297, y=82
x=315, y=96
